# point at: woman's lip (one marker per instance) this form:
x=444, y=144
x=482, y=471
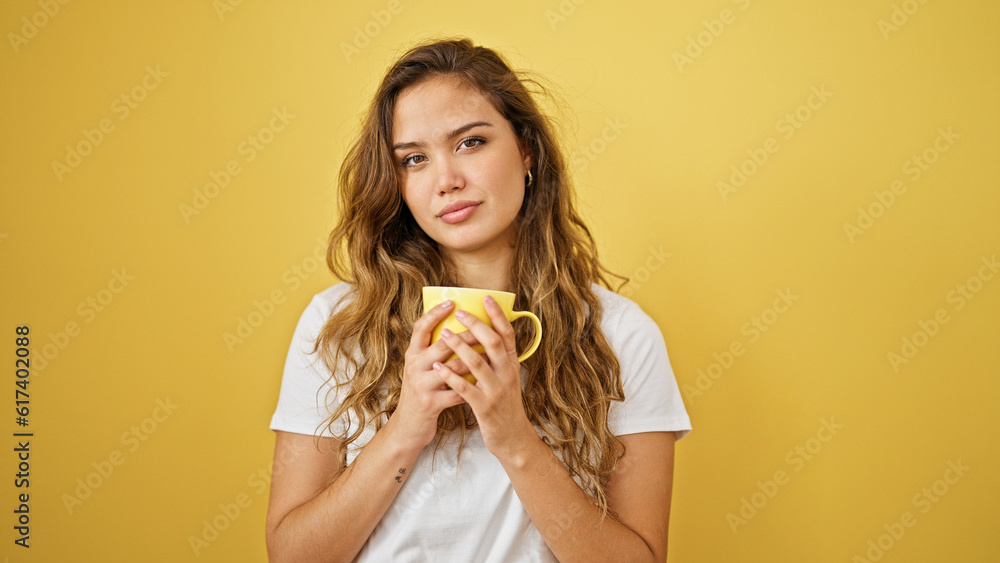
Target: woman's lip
x=459, y=215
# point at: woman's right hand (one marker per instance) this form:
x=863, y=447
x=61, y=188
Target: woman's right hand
x=424, y=395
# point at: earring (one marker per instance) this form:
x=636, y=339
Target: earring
x=529, y=179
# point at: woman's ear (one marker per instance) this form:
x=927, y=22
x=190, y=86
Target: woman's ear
x=527, y=154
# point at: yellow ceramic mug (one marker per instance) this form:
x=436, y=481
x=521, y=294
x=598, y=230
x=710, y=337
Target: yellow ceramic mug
x=471, y=301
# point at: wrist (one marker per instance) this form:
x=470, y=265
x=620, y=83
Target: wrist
x=400, y=443
x=519, y=453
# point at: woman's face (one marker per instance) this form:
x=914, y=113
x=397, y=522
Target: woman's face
x=460, y=166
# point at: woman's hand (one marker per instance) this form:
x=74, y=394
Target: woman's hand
x=496, y=397
x=423, y=395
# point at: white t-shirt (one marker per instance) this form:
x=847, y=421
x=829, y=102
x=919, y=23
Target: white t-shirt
x=468, y=511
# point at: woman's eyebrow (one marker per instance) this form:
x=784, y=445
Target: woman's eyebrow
x=452, y=135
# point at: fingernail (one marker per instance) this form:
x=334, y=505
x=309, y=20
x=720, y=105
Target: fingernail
x=447, y=304
x=446, y=333
x=437, y=366
x=490, y=301
x=460, y=314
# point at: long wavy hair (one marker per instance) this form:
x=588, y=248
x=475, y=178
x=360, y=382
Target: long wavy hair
x=379, y=249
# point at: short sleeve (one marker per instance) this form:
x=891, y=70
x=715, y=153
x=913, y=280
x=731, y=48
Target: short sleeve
x=652, y=398
x=304, y=400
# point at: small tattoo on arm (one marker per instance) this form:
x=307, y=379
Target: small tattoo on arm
x=402, y=471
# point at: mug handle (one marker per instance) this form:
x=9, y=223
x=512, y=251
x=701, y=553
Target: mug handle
x=538, y=332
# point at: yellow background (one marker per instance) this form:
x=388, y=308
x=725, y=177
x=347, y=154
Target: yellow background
x=648, y=187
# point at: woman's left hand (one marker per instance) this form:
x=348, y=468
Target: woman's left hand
x=496, y=397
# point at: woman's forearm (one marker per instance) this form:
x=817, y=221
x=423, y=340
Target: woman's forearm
x=568, y=520
x=336, y=523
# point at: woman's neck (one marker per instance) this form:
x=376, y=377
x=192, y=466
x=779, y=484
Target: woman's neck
x=485, y=269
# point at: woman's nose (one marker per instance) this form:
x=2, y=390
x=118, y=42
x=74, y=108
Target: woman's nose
x=449, y=176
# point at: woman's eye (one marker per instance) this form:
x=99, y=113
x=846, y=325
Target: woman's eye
x=472, y=142
x=409, y=161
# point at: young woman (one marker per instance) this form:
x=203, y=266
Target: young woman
x=456, y=180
